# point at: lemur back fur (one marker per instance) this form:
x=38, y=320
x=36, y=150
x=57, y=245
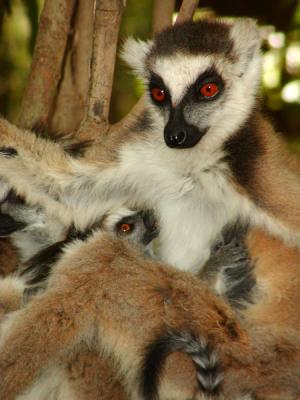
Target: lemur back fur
x=103, y=294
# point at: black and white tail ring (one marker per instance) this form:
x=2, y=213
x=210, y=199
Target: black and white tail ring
x=209, y=373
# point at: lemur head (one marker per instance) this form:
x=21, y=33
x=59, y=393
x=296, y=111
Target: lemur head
x=202, y=78
x=137, y=226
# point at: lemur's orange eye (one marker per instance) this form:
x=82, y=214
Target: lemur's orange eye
x=158, y=94
x=126, y=228
x=209, y=89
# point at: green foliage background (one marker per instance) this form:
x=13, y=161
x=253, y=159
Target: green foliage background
x=19, y=23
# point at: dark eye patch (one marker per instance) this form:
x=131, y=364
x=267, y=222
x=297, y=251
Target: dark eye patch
x=209, y=76
x=156, y=82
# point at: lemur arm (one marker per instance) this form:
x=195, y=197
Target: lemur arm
x=42, y=172
x=31, y=166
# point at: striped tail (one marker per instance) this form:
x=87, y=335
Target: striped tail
x=209, y=374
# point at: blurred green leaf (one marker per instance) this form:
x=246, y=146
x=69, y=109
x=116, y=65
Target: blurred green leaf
x=7, y=6
x=32, y=11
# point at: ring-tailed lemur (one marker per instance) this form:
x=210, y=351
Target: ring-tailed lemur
x=138, y=227
x=202, y=150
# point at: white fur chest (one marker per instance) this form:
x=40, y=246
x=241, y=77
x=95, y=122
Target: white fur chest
x=193, y=204
x=191, y=223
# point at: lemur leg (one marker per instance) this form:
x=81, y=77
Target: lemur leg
x=276, y=269
x=31, y=166
x=45, y=175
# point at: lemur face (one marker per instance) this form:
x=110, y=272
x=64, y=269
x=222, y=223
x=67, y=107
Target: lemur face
x=201, y=78
x=188, y=110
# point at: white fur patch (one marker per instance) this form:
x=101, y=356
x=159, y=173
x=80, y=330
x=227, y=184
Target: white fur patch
x=53, y=384
x=247, y=42
x=179, y=71
x=4, y=189
x=115, y=216
x=12, y=283
x=134, y=53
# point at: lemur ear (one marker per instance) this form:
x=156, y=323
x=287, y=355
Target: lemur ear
x=247, y=41
x=134, y=53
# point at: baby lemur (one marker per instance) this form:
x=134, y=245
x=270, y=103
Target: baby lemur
x=201, y=151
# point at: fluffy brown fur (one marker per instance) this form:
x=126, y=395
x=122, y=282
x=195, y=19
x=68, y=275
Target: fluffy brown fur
x=92, y=377
x=87, y=372
x=274, y=181
x=8, y=257
x=88, y=301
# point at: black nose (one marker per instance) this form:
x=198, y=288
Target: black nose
x=179, y=134
x=183, y=138
x=178, y=138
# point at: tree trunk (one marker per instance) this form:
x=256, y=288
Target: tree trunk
x=70, y=83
